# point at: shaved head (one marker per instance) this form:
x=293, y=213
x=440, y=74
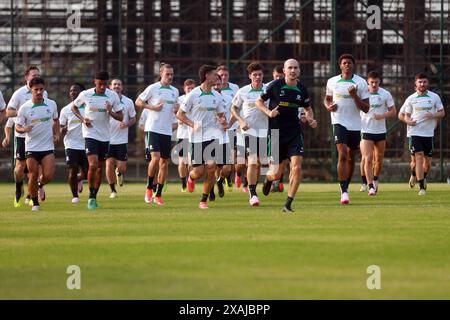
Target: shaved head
x=291, y=70
x=290, y=62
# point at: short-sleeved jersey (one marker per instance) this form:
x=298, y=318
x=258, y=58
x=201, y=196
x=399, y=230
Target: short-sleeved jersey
x=288, y=99
x=95, y=110
x=417, y=106
x=183, y=129
x=10, y=122
x=18, y=98
x=230, y=90
x=245, y=101
x=74, y=135
x=347, y=113
x=408, y=127
x=143, y=118
x=202, y=108
x=160, y=121
x=41, y=117
x=380, y=102
x=226, y=102
x=118, y=135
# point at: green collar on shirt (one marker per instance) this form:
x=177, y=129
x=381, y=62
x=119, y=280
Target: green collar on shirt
x=38, y=105
x=291, y=87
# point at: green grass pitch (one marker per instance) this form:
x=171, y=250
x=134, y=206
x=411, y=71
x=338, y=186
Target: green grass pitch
x=131, y=250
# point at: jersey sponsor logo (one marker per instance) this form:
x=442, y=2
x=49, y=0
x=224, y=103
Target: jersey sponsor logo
x=342, y=96
x=34, y=121
x=96, y=109
x=288, y=104
x=422, y=109
x=206, y=109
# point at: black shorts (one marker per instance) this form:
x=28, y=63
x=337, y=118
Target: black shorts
x=285, y=148
x=95, y=147
x=181, y=149
x=19, y=148
x=76, y=157
x=223, y=155
x=201, y=152
x=375, y=137
x=161, y=143
x=38, y=155
x=422, y=144
x=148, y=156
x=347, y=137
x=255, y=145
x=118, y=151
x=410, y=146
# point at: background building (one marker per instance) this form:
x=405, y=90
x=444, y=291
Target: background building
x=131, y=38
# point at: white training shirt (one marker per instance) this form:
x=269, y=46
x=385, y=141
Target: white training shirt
x=230, y=90
x=417, y=106
x=143, y=118
x=183, y=129
x=408, y=127
x=160, y=121
x=10, y=122
x=74, y=136
x=226, y=102
x=380, y=102
x=245, y=101
x=19, y=97
x=41, y=117
x=347, y=113
x=95, y=110
x=202, y=107
x=118, y=135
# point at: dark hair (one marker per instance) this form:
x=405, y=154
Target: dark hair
x=27, y=70
x=254, y=66
x=163, y=66
x=373, y=75
x=421, y=76
x=222, y=67
x=102, y=75
x=82, y=87
x=278, y=68
x=188, y=82
x=205, y=69
x=36, y=81
x=346, y=56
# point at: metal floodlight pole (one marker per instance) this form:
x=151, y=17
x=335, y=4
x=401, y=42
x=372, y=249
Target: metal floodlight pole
x=119, y=30
x=441, y=92
x=281, y=25
x=333, y=71
x=13, y=80
x=228, y=45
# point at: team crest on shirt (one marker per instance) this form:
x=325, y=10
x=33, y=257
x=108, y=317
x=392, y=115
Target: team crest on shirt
x=282, y=93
